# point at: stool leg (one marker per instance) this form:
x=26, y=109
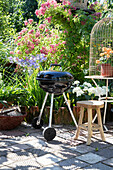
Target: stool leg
x=100, y=123
x=80, y=121
x=89, y=126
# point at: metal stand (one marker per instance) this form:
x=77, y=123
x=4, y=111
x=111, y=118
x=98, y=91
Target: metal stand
x=106, y=99
x=49, y=132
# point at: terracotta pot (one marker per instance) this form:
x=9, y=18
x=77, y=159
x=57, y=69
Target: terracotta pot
x=106, y=70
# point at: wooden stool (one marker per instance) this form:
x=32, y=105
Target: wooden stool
x=93, y=104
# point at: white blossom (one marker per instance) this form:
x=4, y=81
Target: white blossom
x=87, y=84
x=76, y=82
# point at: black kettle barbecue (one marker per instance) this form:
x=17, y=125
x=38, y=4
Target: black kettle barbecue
x=54, y=83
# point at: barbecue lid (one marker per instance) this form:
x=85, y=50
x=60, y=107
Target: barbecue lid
x=52, y=75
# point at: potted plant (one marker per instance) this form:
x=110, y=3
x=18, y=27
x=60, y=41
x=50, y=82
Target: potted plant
x=106, y=60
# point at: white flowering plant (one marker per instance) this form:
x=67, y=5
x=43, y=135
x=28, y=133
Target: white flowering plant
x=86, y=91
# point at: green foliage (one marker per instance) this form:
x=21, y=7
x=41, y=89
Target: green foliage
x=28, y=7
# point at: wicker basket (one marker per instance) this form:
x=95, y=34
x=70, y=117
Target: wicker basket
x=11, y=122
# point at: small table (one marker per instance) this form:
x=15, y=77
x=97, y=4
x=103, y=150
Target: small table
x=106, y=98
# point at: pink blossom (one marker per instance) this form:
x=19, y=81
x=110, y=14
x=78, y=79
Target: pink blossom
x=64, y=42
x=19, y=44
x=69, y=3
x=68, y=19
x=69, y=11
x=43, y=5
x=30, y=21
x=11, y=52
x=26, y=23
x=18, y=52
x=20, y=33
x=19, y=37
x=47, y=4
x=37, y=34
x=65, y=31
x=46, y=30
x=37, y=12
x=95, y=2
x=26, y=51
x=79, y=57
x=32, y=47
x=64, y=2
x=24, y=30
x=42, y=11
x=74, y=8
x=15, y=41
x=31, y=31
x=42, y=26
x=48, y=19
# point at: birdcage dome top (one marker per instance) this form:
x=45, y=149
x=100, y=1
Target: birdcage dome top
x=101, y=48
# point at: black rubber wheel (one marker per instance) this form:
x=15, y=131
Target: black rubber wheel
x=35, y=125
x=49, y=133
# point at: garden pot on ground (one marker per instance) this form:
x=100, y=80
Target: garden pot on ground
x=8, y=122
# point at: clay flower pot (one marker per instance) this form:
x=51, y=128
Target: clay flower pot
x=106, y=70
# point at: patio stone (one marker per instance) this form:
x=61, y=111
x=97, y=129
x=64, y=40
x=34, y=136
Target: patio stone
x=4, y=161
x=110, y=140
x=82, y=148
x=72, y=163
x=19, y=156
x=109, y=162
x=36, y=152
x=52, y=167
x=36, y=143
x=18, y=147
x=13, y=133
x=98, y=166
x=29, y=164
x=48, y=159
x=5, y=168
x=100, y=144
x=107, y=152
x=90, y=158
x=3, y=151
x=4, y=143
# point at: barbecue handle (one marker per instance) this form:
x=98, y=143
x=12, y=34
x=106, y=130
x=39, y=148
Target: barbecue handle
x=56, y=65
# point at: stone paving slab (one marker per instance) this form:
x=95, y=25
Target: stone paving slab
x=72, y=163
x=100, y=145
x=109, y=162
x=106, y=152
x=5, y=161
x=18, y=147
x=5, y=168
x=19, y=156
x=99, y=166
x=82, y=149
x=29, y=164
x=90, y=158
x=48, y=159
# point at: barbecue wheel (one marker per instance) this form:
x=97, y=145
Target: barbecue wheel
x=49, y=133
x=35, y=125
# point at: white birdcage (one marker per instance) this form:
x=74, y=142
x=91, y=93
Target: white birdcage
x=101, y=48
x=79, y=3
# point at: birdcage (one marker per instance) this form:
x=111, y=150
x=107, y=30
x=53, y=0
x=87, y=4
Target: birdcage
x=79, y=3
x=101, y=48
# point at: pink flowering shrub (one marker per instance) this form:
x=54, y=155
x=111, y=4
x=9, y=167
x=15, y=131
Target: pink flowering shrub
x=62, y=35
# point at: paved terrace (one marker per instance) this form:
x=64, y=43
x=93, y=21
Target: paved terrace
x=24, y=148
